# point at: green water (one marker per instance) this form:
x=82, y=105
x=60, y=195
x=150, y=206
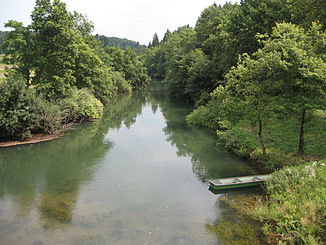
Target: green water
x=138, y=176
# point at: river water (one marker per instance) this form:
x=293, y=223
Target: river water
x=138, y=176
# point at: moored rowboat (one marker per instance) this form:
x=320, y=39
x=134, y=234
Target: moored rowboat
x=237, y=182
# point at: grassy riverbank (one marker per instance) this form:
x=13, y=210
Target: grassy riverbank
x=295, y=209
x=281, y=139
x=295, y=205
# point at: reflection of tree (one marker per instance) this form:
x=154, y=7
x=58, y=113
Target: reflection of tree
x=125, y=110
x=198, y=143
x=58, y=168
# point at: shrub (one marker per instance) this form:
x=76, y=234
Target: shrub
x=296, y=207
x=207, y=116
x=18, y=108
x=81, y=106
x=49, y=116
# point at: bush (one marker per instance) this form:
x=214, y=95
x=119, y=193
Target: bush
x=18, y=108
x=238, y=140
x=296, y=207
x=207, y=116
x=49, y=116
x=81, y=106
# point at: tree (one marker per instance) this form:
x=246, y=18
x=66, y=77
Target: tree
x=155, y=41
x=166, y=36
x=55, y=47
x=287, y=75
x=67, y=54
x=251, y=91
x=128, y=63
x=305, y=12
x=19, y=49
x=303, y=84
x=3, y=35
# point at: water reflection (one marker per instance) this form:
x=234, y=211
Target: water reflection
x=126, y=179
x=208, y=160
x=48, y=176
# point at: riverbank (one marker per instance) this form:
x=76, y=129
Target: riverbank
x=281, y=139
x=294, y=210
x=295, y=199
x=37, y=138
x=293, y=203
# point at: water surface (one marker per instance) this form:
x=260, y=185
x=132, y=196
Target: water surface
x=138, y=176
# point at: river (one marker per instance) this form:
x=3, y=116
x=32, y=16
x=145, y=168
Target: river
x=138, y=176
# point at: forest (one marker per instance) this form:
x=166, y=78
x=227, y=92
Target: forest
x=255, y=73
x=58, y=73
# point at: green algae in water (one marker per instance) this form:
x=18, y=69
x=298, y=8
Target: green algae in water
x=229, y=233
x=235, y=225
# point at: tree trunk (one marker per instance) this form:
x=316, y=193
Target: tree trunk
x=260, y=134
x=301, y=140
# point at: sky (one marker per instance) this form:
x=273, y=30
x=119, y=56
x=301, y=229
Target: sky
x=136, y=20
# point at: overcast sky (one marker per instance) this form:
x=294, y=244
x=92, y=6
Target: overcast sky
x=137, y=20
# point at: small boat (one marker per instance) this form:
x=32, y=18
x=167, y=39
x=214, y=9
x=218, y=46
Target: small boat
x=237, y=182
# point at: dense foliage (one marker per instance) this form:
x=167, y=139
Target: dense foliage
x=65, y=69
x=127, y=63
x=18, y=109
x=239, y=63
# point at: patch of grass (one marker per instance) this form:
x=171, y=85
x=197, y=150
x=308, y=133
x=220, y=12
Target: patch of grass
x=295, y=209
x=281, y=138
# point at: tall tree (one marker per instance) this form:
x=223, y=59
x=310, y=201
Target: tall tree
x=19, y=49
x=54, y=42
x=155, y=41
x=251, y=91
x=304, y=80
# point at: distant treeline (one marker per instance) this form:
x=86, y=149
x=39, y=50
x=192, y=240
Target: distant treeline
x=123, y=43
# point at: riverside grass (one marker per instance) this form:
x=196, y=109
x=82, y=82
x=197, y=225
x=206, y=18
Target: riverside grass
x=295, y=209
x=281, y=140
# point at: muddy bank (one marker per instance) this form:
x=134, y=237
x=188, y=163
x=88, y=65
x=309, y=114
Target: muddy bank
x=33, y=140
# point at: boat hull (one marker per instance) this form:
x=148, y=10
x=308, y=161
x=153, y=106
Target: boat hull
x=237, y=182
